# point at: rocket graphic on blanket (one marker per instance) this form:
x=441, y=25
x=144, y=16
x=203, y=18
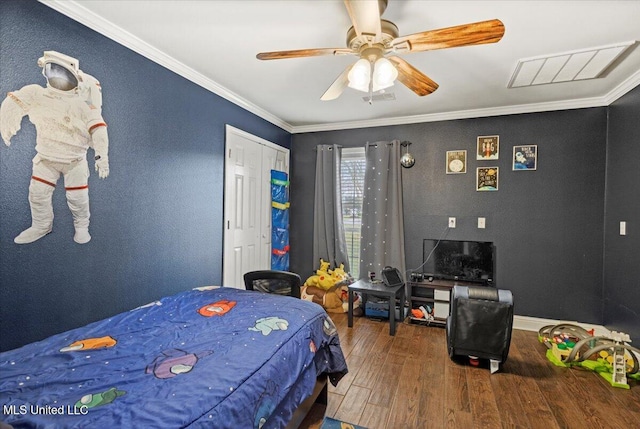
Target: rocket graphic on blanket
x=90, y=344
x=218, y=308
x=173, y=362
x=93, y=400
x=268, y=324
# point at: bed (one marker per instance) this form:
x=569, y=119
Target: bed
x=209, y=357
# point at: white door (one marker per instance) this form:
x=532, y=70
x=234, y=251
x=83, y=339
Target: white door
x=247, y=203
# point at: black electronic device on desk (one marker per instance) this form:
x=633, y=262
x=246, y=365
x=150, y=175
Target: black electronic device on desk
x=391, y=277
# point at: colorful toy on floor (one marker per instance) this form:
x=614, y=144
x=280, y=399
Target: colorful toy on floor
x=610, y=356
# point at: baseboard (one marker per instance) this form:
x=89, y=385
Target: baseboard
x=527, y=323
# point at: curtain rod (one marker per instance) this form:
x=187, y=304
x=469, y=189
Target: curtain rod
x=315, y=149
x=403, y=144
x=330, y=147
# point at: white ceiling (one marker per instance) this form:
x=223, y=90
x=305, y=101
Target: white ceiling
x=214, y=43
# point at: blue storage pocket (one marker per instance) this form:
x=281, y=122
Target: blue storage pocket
x=280, y=218
x=280, y=260
x=279, y=238
x=279, y=187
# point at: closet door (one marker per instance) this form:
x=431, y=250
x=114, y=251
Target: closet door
x=247, y=203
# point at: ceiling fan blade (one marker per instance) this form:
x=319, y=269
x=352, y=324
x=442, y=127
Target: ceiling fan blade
x=365, y=16
x=477, y=33
x=298, y=53
x=413, y=78
x=338, y=86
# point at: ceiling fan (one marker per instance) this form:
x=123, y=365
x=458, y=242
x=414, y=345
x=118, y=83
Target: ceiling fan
x=377, y=43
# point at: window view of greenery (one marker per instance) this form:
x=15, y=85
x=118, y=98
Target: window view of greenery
x=352, y=170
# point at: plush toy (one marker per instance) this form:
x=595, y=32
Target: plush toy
x=339, y=274
x=328, y=288
x=334, y=300
x=322, y=278
x=324, y=265
x=323, y=281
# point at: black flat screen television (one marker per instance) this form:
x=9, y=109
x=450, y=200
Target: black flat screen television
x=471, y=261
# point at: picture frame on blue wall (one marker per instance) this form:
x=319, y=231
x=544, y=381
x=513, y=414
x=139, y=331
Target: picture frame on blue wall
x=456, y=162
x=525, y=157
x=486, y=179
x=488, y=148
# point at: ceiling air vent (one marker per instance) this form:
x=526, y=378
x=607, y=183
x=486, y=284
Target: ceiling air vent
x=567, y=66
x=385, y=96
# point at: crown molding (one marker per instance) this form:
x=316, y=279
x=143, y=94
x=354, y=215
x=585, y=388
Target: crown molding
x=630, y=83
x=459, y=114
x=77, y=12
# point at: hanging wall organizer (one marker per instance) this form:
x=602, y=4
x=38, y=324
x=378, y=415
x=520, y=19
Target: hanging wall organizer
x=279, y=220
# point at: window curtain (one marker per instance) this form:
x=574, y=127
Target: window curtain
x=329, y=241
x=382, y=241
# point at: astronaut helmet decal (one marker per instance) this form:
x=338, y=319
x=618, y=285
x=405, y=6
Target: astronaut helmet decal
x=61, y=71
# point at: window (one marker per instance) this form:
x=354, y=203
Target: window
x=352, y=170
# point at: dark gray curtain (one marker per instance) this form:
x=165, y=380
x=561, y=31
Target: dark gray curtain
x=328, y=230
x=382, y=241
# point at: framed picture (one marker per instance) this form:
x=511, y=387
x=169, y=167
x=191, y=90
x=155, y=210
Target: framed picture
x=487, y=179
x=456, y=161
x=525, y=157
x=488, y=147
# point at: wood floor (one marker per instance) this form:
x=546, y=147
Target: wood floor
x=408, y=381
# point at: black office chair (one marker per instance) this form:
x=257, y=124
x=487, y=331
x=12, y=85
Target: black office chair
x=273, y=281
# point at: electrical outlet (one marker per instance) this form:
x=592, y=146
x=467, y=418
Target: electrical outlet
x=481, y=222
x=452, y=222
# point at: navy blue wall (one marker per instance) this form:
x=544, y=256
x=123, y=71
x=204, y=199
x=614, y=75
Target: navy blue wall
x=547, y=225
x=156, y=221
x=622, y=253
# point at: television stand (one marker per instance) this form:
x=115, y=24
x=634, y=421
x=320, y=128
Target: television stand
x=435, y=294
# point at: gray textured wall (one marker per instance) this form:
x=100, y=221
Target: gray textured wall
x=622, y=253
x=547, y=225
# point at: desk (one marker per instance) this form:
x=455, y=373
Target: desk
x=379, y=289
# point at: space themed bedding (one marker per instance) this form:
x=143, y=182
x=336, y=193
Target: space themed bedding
x=210, y=357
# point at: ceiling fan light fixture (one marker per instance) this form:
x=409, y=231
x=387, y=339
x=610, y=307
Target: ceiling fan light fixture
x=360, y=75
x=384, y=74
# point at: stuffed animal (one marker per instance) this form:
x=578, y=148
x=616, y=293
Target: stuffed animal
x=322, y=278
x=323, y=281
x=334, y=300
x=324, y=265
x=339, y=274
x=328, y=288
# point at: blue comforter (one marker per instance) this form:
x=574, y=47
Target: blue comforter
x=217, y=357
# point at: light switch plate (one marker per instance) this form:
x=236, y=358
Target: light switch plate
x=481, y=222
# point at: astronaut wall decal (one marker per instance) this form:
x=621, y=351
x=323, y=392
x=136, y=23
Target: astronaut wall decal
x=67, y=115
